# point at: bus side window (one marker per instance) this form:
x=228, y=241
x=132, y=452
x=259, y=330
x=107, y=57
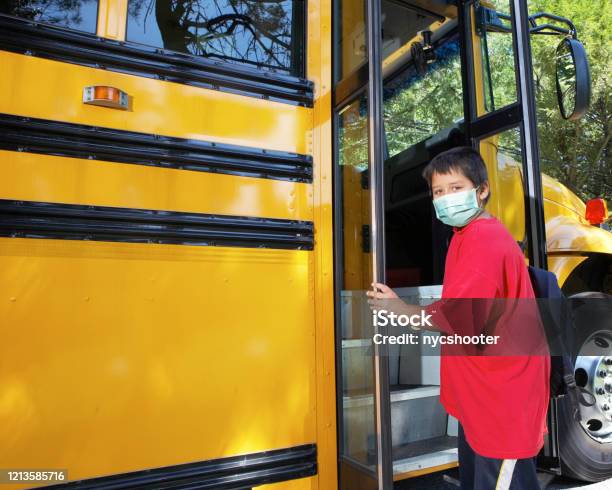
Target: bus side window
x=267, y=35
x=80, y=15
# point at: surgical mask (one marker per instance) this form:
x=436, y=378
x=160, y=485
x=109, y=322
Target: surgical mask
x=457, y=209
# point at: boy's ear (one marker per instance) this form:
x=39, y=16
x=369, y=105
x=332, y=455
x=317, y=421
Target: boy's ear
x=484, y=191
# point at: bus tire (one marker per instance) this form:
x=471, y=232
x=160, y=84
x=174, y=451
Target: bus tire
x=582, y=456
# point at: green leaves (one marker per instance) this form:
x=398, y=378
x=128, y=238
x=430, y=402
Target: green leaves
x=577, y=153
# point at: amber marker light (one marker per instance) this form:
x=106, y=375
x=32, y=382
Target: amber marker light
x=104, y=96
x=596, y=211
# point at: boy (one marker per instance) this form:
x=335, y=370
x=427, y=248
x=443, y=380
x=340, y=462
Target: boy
x=500, y=402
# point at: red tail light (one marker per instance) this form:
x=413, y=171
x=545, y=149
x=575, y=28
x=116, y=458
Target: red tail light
x=596, y=211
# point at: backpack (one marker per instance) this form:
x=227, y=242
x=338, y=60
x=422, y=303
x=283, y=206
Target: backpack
x=556, y=318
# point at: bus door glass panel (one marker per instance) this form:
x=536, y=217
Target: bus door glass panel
x=502, y=155
x=400, y=23
x=423, y=116
x=495, y=81
x=502, y=116
x=357, y=428
x=416, y=127
x=495, y=72
x=419, y=104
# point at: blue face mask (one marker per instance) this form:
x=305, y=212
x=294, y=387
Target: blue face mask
x=457, y=209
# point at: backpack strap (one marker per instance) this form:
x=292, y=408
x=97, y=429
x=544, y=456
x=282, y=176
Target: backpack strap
x=577, y=396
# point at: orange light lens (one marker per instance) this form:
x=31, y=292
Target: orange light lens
x=106, y=93
x=105, y=96
x=596, y=211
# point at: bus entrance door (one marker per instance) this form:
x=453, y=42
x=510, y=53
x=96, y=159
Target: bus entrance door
x=426, y=97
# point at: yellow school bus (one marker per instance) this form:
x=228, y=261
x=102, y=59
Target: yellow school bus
x=188, y=225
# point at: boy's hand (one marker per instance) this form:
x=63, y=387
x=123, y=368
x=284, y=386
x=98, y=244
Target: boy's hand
x=380, y=297
x=383, y=297
x=381, y=291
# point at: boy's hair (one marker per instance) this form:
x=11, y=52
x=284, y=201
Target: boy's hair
x=462, y=159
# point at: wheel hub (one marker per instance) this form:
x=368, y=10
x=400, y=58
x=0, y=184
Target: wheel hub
x=594, y=374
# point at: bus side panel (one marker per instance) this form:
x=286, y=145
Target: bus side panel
x=118, y=357
x=50, y=178
x=53, y=90
x=301, y=484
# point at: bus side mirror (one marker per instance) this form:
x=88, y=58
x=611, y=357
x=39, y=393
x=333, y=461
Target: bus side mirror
x=573, y=79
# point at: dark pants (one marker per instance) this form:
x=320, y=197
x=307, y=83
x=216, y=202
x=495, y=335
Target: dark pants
x=479, y=473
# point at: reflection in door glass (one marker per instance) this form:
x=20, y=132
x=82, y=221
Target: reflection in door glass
x=358, y=441
x=400, y=23
x=417, y=106
x=494, y=29
x=353, y=161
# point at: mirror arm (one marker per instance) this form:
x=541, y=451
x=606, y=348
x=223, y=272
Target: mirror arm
x=550, y=29
x=489, y=20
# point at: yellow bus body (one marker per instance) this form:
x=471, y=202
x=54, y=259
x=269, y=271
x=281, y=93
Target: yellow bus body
x=118, y=357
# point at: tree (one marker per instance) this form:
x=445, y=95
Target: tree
x=577, y=153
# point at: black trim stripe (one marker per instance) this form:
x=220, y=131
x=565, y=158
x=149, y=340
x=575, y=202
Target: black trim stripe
x=33, y=219
x=80, y=141
x=26, y=37
x=236, y=472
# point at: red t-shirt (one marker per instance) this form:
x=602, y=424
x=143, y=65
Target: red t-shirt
x=501, y=402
